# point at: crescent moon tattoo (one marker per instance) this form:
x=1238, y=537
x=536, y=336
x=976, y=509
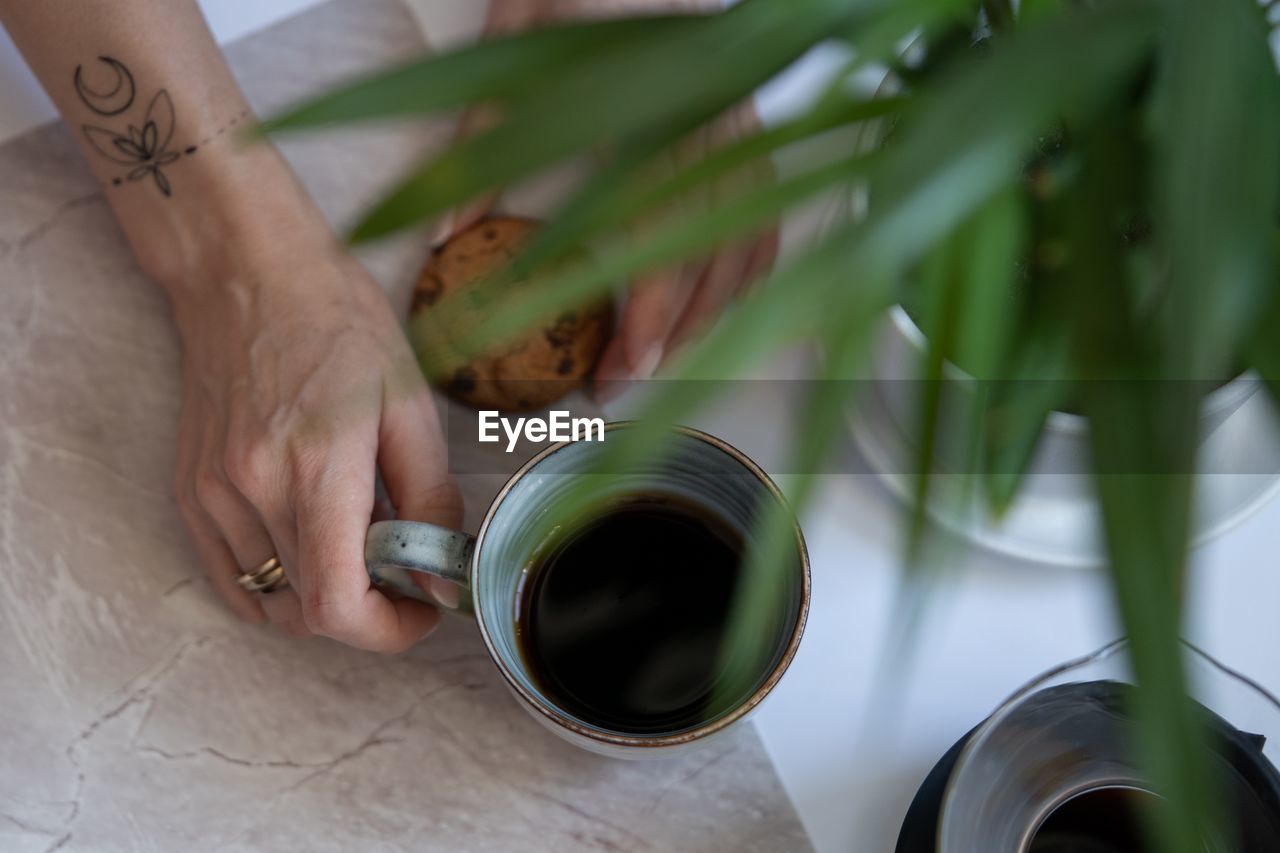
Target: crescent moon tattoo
x=147, y=144
x=111, y=103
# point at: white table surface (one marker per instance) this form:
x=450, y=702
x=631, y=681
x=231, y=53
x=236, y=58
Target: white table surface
x=850, y=747
x=851, y=753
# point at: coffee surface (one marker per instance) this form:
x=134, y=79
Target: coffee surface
x=621, y=623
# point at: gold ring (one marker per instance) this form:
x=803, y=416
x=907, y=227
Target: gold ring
x=267, y=577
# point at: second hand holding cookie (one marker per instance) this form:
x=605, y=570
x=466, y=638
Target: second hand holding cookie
x=663, y=308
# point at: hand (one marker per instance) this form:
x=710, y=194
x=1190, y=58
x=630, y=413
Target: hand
x=299, y=385
x=666, y=308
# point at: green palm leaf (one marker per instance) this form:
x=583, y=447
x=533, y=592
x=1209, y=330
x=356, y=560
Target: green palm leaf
x=497, y=70
x=640, y=83
x=1181, y=80
x=1143, y=440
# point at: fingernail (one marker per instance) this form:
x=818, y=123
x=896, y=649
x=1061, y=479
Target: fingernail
x=648, y=363
x=445, y=592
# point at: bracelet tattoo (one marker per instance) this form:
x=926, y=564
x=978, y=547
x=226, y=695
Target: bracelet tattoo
x=144, y=147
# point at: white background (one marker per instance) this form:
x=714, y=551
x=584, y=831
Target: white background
x=850, y=753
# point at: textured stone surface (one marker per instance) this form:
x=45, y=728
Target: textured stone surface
x=135, y=713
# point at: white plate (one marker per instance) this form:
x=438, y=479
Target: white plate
x=1055, y=520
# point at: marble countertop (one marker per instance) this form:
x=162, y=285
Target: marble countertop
x=135, y=712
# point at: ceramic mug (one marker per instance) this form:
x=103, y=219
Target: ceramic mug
x=695, y=467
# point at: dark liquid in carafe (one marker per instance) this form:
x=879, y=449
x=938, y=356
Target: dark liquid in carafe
x=1109, y=820
x=1106, y=820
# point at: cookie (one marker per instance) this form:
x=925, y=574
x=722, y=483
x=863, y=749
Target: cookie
x=530, y=373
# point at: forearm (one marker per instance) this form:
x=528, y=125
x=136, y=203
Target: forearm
x=148, y=95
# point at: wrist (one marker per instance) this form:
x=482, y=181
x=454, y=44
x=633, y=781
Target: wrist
x=226, y=209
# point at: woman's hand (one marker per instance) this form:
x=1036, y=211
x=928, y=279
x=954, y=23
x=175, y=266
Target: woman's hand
x=299, y=385
x=666, y=308
x=299, y=382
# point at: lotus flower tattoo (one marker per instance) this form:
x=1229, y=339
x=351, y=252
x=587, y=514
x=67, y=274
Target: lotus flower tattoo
x=144, y=147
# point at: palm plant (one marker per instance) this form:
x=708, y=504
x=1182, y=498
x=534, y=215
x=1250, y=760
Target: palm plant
x=1080, y=191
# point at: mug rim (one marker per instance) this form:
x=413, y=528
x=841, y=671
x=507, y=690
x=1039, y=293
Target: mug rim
x=650, y=741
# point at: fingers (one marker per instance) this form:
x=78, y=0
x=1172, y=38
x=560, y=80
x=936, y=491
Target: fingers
x=338, y=599
x=414, y=464
x=764, y=255
x=242, y=527
x=217, y=560
x=653, y=307
x=664, y=312
x=221, y=567
x=415, y=468
x=229, y=532
x=731, y=273
x=723, y=278
x=238, y=521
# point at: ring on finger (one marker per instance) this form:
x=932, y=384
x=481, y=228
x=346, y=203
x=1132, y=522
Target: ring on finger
x=267, y=577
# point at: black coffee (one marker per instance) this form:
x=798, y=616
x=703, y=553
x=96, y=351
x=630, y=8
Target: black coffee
x=621, y=623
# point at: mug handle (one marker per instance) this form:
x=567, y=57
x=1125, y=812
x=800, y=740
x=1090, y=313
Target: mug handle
x=392, y=549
